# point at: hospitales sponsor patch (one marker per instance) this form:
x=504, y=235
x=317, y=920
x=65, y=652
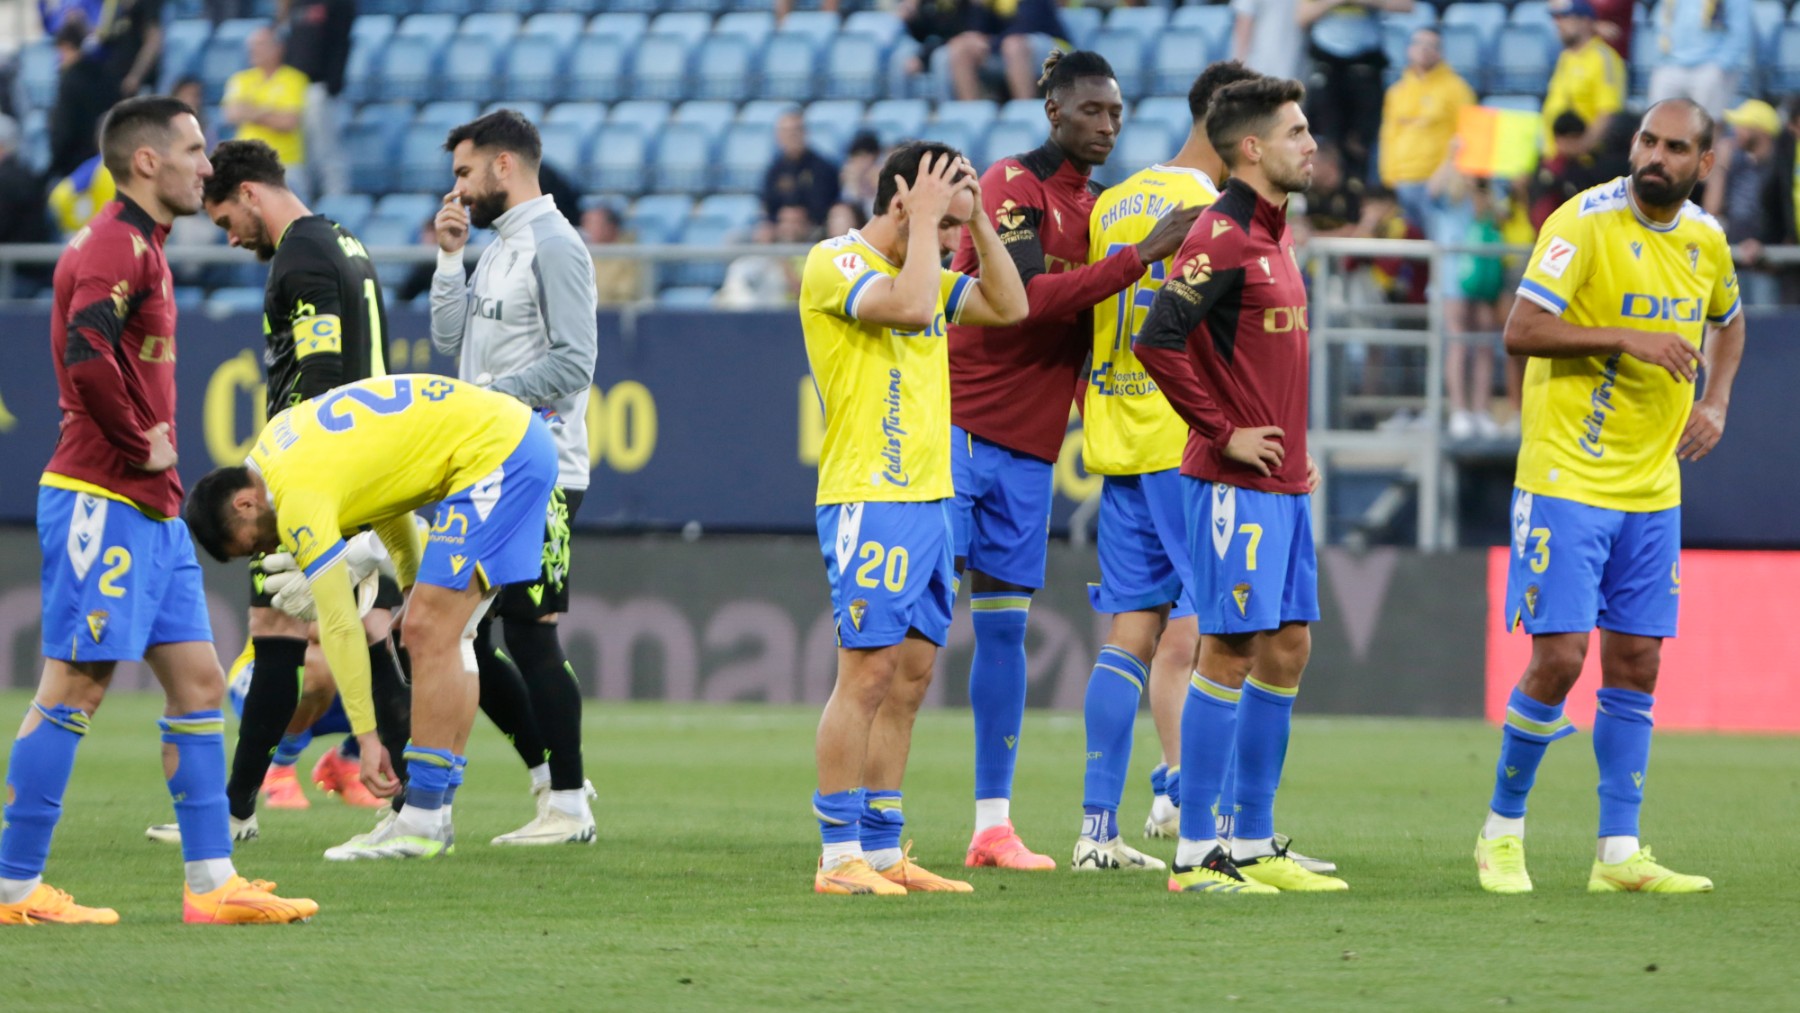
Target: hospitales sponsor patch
x=1557, y=257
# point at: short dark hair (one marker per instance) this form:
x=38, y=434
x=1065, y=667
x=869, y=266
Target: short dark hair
x=1705, y=141
x=1217, y=75
x=903, y=163
x=135, y=123
x=1063, y=69
x=505, y=129
x=1247, y=108
x=208, y=508
x=242, y=161
x=1568, y=123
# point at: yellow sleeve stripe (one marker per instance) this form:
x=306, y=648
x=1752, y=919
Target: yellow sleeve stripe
x=320, y=334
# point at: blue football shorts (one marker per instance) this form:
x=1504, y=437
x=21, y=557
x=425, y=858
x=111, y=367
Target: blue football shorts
x=496, y=526
x=1254, y=565
x=890, y=570
x=1574, y=567
x=1144, y=557
x=1001, y=515
x=116, y=581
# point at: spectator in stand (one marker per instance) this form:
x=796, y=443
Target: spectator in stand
x=760, y=281
x=799, y=175
x=1589, y=79
x=23, y=217
x=954, y=25
x=1570, y=168
x=1344, y=93
x=80, y=195
x=265, y=102
x=618, y=282
x=1263, y=36
x=1702, y=45
x=84, y=92
x=418, y=280
x=1734, y=191
x=1418, y=122
x=191, y=90
x=1612, y=20
x=843, y=217
x=130, y=34
x=966, y=31
x=1334, y=201
x=1463, y=215
x=862, y=166
x=57, y=13
x=318, y=45
x=1781, y=218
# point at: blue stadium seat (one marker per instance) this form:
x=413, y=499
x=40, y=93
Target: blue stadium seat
x=1146, y=21
x=586, y=115
x=1644, y=58
x=616, y=162
x=645, y=7
x=1145, y=143
x=1395, y=37
x=424, y=164
x=438, y=27
x=182, y=44
x=533, y=111
x=1466, y=54
x=689, y=25
x=1167, y=110
x=853, y=67
x=496, y=25
x=742, y=210
x=658, y=217
x=684, y=158
x=703, y=6
x=1523, y=57
x=37, y=74
x=788, y=67
x=372, y=27
x=698, y=231
x=1485, y=17
x=830, y=123
x=565, y=145
x=1784, y=63
x=597, y=68
x=901, y=84
x=883, y=25
x=622, y=25
x=976, y=115
x=1216, y=20
x=723, y=66
x=446, y=113
x=221, y=57
x=1177, y=57
x=1024, y=110
x=818, y=26
x=406, y=68
x=347, y=209
x=533, y=68
x=715, y=117
x=359, y=69
x=520, y=7
x=1007, y=138
x=764, y=111
x=380, y=231
x=659, y=66
x=753, y=25
x=1126, y=51
x=237, y=30
x=646, y=115
x=744, y=157
x=956, y=133
x=897, y=119
x=687, y=296
x=469, y=64
x=235, y=299
x=1532, y=12
x=458, y=8
x=1082, y=23
x=407, y=207
x=563, y=25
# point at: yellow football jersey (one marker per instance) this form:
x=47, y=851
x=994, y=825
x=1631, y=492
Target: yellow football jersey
x=1128, y=427
x=376, y=449
x=1602, y=430
x=1589, y=81
x=885, y=393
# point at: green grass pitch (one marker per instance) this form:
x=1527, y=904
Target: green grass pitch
x=698, y=893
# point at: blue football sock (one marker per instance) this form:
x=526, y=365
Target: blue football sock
x=1099, y=823
x=1228, y=792
x=1159, y=779
x=1622, y=727
x=429, y=772
x=36, y=777
x=1530, y=728
x=997, y=687
x=882, y=820
x=350, y=749
x=1111, y=713
x=1264, y=716
x=456, y=779
x=287, y=752
x=840, y=815
x=198, y=786
x=1208, y=725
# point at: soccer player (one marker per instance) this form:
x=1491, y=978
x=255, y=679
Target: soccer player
x=1011, y=388
x=524, y=325
x=1131, y=436
x=1625, y=282
x=369, y=453
x=323, y=322
x=1226, y=341
x=873, y=306
x=120, y=582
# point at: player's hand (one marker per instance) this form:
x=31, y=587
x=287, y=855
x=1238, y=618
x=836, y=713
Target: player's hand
x=929, y=194
x=1258, y=446
x=1704, y=428
x=452, y=224
x=162, y=451
x=1749, y=252
x=377, y=772
x=1670, y=351
x=1313, y=478
x=1165, y=239
x=970, y=180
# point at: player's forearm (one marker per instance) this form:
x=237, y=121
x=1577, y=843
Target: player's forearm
x=148, y=53
x=279, y=120
x=1534, y=330
x=101, y=392
x=1174, y=376
x=449, y=303
x=1063, y=296
x=999, y=282
x=400, y=536
x=1724, y=351
x=345, y=645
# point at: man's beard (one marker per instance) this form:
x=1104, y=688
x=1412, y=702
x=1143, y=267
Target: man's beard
x=264, y=247
x=485, y=208
x=1660, y=191
x=1298, y=181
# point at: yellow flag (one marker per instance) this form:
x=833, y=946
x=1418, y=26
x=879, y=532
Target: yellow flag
x=1497, y=143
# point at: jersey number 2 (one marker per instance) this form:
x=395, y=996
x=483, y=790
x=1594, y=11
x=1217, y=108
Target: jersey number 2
x=337, y=417
x=893, y=577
